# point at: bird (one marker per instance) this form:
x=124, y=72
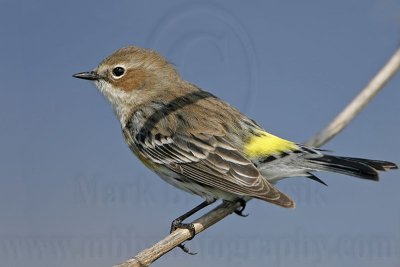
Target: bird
x=200, y=144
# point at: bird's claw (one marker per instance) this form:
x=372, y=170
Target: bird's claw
x=177, y=224
x=186, y=250
x=239, y=211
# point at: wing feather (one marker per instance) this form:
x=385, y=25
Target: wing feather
x=211, y=161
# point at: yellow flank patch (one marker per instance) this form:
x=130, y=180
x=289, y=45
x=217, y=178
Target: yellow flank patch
x=267, y=144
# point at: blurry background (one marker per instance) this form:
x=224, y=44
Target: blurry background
x=71, y=192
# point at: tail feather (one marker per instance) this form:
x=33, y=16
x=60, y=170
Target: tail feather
x=315, y=178
x=378, y=165
x=357, y=167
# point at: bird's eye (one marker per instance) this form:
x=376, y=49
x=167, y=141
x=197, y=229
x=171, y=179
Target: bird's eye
x=118, y=71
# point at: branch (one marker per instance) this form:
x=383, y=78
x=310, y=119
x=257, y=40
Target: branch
x=358, y=103
x=149, y=255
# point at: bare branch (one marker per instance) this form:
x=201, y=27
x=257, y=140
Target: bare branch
x=149, y=255
x=358, y=103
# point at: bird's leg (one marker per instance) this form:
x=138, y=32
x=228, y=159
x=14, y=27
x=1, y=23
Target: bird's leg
x=177, y=223
x=240, y=210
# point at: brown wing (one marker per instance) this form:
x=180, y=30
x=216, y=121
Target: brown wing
x=212, y=161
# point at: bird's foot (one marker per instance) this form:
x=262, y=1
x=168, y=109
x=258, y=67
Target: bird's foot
x=177, y=224
x=239, y=211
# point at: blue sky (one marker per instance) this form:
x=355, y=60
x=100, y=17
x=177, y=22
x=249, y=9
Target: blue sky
x=71, y=192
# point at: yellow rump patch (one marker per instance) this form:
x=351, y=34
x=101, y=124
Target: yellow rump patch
x=267, y=144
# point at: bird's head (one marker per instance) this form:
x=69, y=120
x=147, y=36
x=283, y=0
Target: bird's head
x=131, y=76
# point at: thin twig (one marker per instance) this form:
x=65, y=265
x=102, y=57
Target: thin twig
x=358, y=103
x=149, y=255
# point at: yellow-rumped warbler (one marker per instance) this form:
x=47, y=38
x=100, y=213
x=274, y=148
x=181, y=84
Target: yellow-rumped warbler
x=200, y=144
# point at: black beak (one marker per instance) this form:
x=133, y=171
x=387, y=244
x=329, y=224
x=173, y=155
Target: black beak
x=88, y=75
